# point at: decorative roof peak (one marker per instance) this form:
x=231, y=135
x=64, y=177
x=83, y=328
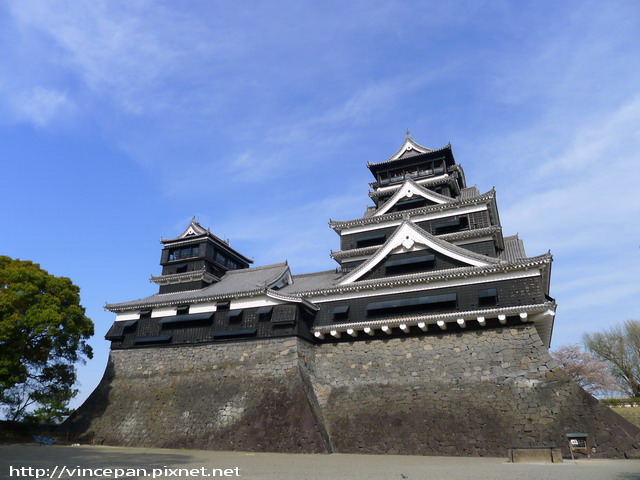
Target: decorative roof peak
x=409, y=148
x=194, y=228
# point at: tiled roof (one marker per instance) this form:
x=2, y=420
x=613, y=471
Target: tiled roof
x=461, y=272
x=513, y=249
x=312, y=281
x=431, y=240
x=419, y=190
x=250, y=281
x=411, y=141
x=235, y=282
x=446, y=178
x=397, y=215
x=464, y=234
x=469, y=192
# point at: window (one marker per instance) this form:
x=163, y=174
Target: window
x=244, y=332
x=152, y=340
x=234, y=316
x=410, y=203
x=181, y=268
x=396, y=176
x=419, y=304
x=223, y=305
x=186, y=320
x=129, y=326
x=370, y=240
x=449, y=226
x=487, y=297
x=383, y=178
x=182, y=310
x=397, y=266
x=341, y=312
x=145, y=313
x=264, y=314
x=184, y=252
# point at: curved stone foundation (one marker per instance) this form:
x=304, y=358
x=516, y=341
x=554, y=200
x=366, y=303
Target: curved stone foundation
x=470, y=393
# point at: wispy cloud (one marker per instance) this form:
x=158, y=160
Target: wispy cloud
x=40, y=105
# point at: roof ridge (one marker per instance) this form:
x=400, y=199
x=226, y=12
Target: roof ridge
x=411, y=142
x=308, y=274
x=395, y=215
x=261, y=267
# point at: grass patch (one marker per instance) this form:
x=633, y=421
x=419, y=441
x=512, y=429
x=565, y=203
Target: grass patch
x=630, y=413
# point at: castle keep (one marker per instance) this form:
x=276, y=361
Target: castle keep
x=430, y=337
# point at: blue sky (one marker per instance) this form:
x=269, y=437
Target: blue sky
x=119, y=121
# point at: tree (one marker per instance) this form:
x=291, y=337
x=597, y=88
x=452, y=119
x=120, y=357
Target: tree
x=590, y=373
x=620, y=348
x=43, y=333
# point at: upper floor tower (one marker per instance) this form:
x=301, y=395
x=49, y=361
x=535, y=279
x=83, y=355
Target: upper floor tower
x=196, y=259
x=433, y=169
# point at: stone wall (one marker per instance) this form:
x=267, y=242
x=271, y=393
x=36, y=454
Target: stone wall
x=233, y=396
x=469, y=393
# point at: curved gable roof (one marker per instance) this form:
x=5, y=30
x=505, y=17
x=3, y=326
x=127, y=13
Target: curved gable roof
x=408, y=189
x=408, y=234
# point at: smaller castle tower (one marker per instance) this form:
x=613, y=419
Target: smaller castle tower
x=195, y=260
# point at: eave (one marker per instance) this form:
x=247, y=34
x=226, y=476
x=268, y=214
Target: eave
x=449, y=237
x=341, y=225
x=409, y=189
x=184, y=277
x=361, y=286
x=467, y=273
x=541, y=315
x=399, y=161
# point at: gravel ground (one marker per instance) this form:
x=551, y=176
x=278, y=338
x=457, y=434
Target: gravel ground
x=273, y=466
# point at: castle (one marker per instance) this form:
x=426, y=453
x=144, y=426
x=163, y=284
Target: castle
x=430, y=337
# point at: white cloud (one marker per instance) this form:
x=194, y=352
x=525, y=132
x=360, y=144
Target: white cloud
x=39, y=105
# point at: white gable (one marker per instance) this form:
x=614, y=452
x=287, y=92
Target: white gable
x=408, y=237
x=410, y=189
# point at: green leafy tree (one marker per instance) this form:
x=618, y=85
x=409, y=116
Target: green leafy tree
x=620, y=348
x=43, y=334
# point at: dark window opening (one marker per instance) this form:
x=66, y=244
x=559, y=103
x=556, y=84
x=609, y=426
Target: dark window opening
x=371, y=240
x=234, y=316
x=264, y=314
x=182, y=268
x=410, y=203
x=420, y=304
x=341, y=312
x=397, y=176
x=244, y=332
x=152, y=340
x=182, y=310
x=145, y=313
x=129, y=325
x=223, y=305
x=186, y=320
x=487, y=297
x=184, y=252
x=410, y=265
x=450, y=226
